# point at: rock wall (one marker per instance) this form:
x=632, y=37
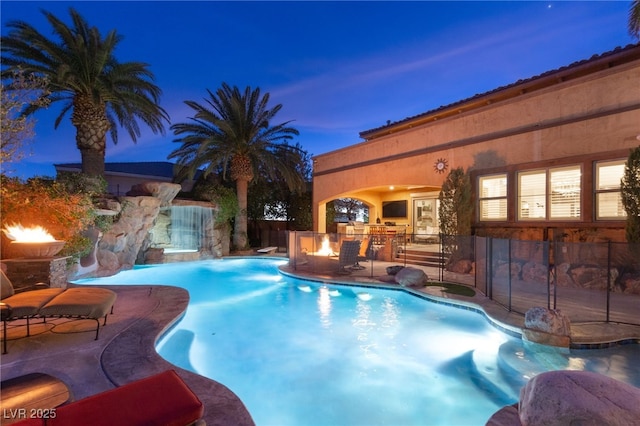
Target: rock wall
x=119, y=246
x=127, y=242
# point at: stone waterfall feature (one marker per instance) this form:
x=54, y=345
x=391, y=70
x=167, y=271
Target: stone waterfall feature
x=189, y=226
x=185, y=231
x=139, y=217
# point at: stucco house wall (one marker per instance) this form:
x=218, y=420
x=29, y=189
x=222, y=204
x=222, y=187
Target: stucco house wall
x=580, y=113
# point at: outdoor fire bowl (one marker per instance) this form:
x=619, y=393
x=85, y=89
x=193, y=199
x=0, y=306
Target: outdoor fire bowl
x=31, y=249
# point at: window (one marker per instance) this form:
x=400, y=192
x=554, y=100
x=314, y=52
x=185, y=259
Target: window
x=607, y=188
x=532, y=199
x=564, y=194
x=493, y=197
x=552, y=194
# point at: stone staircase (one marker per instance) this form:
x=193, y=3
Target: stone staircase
x=419, y=257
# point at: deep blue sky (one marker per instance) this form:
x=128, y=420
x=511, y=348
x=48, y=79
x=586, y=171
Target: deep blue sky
x=338, y=68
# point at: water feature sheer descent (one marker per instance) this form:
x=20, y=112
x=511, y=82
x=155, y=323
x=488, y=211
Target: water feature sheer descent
x=301, y=352
x=189, y=226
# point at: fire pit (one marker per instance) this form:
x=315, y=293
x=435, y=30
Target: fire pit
x=37, y=249
x=33, y=242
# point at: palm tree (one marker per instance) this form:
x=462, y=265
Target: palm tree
x=83, y=73
x=634, y=19
x=232, y=131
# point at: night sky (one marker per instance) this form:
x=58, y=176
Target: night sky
x=338, y=68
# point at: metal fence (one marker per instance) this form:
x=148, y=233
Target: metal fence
x=590, y=282
x=332, y=254
x=587, y=281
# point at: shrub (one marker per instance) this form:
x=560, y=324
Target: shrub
x=630, y=189
x=45, y=202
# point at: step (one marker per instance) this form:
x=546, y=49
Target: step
x=435, y=258
x=490, y=378
x=430, y=259
x=419, y=263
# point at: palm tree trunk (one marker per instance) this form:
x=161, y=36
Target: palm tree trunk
x=90, y=121
x=92, y=162
x=240, y=229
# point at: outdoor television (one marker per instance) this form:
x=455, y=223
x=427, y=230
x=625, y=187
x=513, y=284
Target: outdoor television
x=394, y=208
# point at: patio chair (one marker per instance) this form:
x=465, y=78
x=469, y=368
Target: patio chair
x=365, y=253
x=348, y=256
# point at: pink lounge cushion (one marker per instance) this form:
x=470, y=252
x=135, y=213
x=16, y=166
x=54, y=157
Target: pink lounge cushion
x=159, y=400
x=80, y=301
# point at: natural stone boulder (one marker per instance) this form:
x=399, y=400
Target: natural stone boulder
x=547, y=326
x=563, y=276
x=630, y=283
x=535, y=272
x=463, y=266
x=411, y=277
x=503, y=269
x=590, y=277
x=559, y=398
x=393, y=270
x=108, y=263
x=164, y=191
x=507, y=416
x=578, y=398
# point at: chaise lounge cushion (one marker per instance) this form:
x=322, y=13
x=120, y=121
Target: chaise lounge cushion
x=28, y=303
x=80, y=302
x=159, y=400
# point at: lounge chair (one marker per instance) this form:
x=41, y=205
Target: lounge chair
x=348, y=256
x=79, y=302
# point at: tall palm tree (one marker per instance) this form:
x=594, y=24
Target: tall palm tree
x=634, y=19
x=83, y=73
x=232, y=131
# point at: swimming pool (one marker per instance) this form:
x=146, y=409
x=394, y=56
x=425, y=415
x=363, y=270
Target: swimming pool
x=303, y=353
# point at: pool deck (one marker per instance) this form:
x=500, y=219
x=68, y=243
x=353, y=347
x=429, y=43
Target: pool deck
x=125, y=349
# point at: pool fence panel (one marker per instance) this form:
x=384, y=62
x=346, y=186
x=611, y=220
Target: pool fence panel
x=589, y=282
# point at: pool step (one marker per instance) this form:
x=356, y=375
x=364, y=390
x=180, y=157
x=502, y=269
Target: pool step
x=526, y=359
x=503, y=371
x=491, y=378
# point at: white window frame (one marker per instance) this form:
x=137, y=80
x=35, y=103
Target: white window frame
x=608, y=189
x=550, y=198
x=496, y=201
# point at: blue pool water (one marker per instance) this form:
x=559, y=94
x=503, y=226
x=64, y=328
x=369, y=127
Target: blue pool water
x=303, y=353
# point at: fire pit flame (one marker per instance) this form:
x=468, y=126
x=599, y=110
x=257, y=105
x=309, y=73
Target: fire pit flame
x=33, y=242
x=325, y=249
x=35, y=234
